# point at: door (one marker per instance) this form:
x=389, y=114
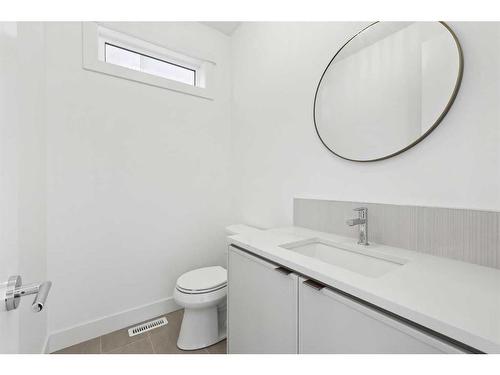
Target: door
x=9, y=323
x=22, y=179
x=332, y=323
x=262, y=306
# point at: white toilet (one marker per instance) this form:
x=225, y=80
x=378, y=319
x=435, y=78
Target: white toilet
x=202, y=293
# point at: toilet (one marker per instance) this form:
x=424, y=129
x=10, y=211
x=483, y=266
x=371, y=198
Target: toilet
x=202, y=292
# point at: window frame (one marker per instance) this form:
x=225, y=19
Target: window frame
x=95, y=36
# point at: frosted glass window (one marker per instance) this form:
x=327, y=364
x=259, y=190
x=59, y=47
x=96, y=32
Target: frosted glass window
x=138, y=61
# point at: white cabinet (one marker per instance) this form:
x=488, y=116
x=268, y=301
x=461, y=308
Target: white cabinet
x=332, y=323
x=262, y=305
x=273, y=310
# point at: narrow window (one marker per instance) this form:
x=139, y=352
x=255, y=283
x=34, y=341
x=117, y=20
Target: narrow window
x=145, y=57
x=128, y=58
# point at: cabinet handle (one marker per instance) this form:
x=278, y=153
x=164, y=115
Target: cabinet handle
x=283, y=270
x=313, y=284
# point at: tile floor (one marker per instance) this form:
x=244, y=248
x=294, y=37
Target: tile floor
x=158, y=341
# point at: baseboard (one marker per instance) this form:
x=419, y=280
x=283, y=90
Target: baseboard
x=70, y=336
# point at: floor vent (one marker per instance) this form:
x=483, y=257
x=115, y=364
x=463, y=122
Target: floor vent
x=148, y=326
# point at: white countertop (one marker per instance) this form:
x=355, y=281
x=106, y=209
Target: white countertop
x=457, y=299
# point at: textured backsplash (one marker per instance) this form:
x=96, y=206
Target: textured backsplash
x=467, y=235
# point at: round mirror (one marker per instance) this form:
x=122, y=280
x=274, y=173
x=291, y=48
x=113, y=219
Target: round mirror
x=387, y=88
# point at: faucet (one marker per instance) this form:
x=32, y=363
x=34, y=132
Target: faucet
x=362, y=222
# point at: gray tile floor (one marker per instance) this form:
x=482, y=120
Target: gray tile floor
x=158, y=341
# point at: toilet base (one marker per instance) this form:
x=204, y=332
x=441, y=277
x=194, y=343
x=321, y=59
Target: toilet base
x=200, y=328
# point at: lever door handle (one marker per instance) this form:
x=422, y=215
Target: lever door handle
x=15, y=290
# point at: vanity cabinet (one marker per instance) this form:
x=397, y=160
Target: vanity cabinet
x=330, y=322
x=262, y=305
x=274, y=310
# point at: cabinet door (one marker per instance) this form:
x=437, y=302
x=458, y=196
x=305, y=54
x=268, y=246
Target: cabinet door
x=332, y=323
x=262, y=305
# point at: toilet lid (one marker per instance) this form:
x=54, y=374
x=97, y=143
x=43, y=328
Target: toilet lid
x=203, y=278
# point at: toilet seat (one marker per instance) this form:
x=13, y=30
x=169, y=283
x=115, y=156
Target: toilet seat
x=202, y=291
x=202, y=280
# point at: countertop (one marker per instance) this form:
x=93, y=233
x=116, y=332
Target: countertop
x=457, y=299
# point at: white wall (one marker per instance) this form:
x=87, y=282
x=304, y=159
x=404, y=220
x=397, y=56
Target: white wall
x=277, y=154
x=137, y=176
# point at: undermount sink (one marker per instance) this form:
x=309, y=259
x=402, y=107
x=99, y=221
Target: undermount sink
x=363, y=261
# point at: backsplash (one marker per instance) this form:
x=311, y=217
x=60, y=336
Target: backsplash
x=467, y=235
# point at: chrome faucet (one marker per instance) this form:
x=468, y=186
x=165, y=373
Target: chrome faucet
x=362, y=222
